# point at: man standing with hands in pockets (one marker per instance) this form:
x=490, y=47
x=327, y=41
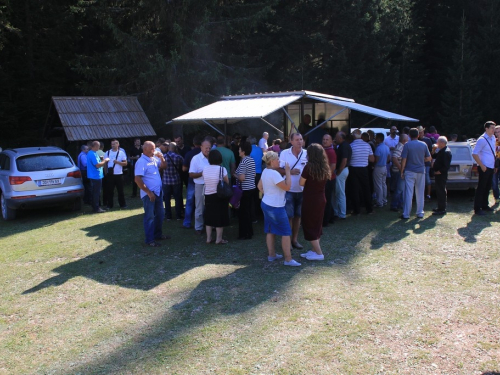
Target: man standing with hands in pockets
x=148, y=179
x=296, y=157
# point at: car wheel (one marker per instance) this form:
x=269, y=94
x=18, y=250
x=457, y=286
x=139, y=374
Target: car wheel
x=7, y=213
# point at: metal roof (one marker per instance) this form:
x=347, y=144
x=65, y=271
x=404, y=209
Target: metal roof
x=239, y=107
x=235, y=109
x=85, y=118
x=365, y=109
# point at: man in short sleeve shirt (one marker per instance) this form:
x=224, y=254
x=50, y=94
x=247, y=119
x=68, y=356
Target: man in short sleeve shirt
x=362, y=154
x=413, y=158
x=147, y=178
x=296, y=157
x=344, y=153
x=484, y=155
x=199, y=162
x=95, y=174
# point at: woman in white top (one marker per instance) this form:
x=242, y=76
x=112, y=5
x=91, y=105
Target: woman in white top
x=216, y=209
x=274, y=187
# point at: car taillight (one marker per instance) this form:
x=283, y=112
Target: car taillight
x=474, y=172
x=75, y=174
x=18, y=180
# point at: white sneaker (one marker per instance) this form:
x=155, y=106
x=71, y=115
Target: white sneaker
x=276, y=257
x=315, y=256
x=292, y=263
x=305, y=255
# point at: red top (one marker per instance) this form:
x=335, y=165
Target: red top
x=332, y=158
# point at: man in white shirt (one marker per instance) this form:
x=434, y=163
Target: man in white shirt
x=263, y=142
x=393, y=139
x=199, y=162
x=484, y=155
x=114, y=177
x=296, y=157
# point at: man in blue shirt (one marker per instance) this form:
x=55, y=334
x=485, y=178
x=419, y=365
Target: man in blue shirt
x=484, y=155
x=95, y=174
x=413, y=158
x=256, y=155
x=382, y=157
x=147, y=178
x=82, y=164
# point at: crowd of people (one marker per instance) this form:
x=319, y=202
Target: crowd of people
x=291, y=186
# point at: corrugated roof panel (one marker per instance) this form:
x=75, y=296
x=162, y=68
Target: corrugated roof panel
x=89, y=118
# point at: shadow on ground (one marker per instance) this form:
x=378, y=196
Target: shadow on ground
x=476, y=225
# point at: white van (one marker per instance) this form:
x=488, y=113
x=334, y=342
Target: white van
x=385, y=132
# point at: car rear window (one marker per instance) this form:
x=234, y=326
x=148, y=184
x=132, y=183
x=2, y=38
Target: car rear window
x=43, y=162
x=460, y=153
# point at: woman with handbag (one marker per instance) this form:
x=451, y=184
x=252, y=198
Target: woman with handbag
x=216, y=208
x=245, y=176
x=274, y=187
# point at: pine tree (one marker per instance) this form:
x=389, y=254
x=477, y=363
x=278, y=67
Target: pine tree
x=488, y=46
x=460, y=112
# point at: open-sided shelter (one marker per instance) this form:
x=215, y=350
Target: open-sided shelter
x=331, y=110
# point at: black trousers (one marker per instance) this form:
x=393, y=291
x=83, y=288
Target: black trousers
x=483, y=189
x=245, y=214
x=329, y=195
x=96, y=193
x=360, y=187
x=110, y=182
x=440, y=180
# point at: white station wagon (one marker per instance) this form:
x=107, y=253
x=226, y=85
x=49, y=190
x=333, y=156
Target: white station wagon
x=38, y=177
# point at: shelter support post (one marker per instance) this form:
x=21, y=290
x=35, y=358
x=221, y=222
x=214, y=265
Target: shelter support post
x=268, y=123
x=291, y=121
x=324, y=122
x=369, y=122
x=213, y=127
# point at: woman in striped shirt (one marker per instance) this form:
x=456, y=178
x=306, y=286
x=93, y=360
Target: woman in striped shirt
x=245, y=174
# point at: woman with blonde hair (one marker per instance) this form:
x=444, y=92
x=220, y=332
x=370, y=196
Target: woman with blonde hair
x=314, y=177
x=274, y=187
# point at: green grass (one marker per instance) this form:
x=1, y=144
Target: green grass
x=80, y=294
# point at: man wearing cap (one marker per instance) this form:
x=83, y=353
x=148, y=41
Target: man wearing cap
x=484, y=155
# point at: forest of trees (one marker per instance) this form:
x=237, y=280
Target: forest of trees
x=434, y=60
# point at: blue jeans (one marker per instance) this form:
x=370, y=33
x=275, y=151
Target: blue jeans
x=189, y=209
x=339, y=208
x=398, y=195
x=153, y=217
x=494, y=186
x=176, y=191
x=415, y=181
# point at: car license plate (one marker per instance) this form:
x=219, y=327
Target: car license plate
x=53, y=181
x=453, y=168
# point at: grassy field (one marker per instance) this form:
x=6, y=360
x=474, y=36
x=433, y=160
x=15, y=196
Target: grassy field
x=80, y=294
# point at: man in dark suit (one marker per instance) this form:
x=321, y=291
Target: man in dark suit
x=442, y=159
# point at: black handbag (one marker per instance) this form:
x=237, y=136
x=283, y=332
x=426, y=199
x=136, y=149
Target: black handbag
x=224, y=190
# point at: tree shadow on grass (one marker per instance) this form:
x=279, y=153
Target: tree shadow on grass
x=124, y=264
x=160, y=344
